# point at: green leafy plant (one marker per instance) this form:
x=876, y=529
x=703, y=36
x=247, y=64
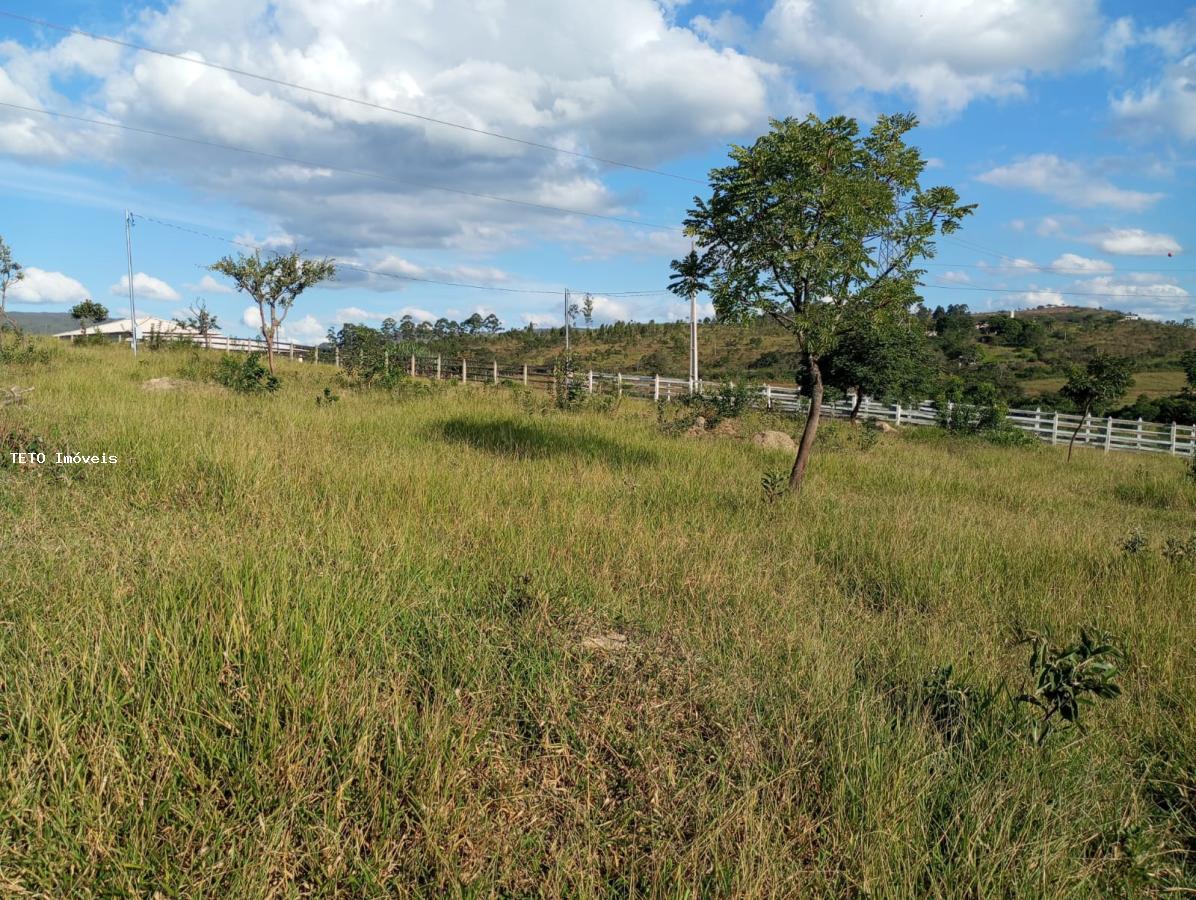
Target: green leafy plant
x=774, y=485
x=1069, y=676
x=951, y=703
x=246, y=376
x=1180, y=550
x=728, y=401
x=327, y=398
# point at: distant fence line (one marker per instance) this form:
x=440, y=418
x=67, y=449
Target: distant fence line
x=1052, y=427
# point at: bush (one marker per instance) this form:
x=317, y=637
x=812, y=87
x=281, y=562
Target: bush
x=728, y=401
x=23, y=350
x=245, y=376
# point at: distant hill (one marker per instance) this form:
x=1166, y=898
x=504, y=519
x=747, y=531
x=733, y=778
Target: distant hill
x=43, y=322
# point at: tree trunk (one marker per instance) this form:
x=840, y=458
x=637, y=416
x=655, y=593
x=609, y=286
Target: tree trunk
x=855, y=410
x=806, y=446
x=1083, y=421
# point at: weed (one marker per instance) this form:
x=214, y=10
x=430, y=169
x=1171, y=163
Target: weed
x=1067, y=677
x=1137, y=543
x=245, y=376
x=774, y=485
x=327, y=398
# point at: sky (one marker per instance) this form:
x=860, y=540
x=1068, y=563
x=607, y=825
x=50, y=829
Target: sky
x=1071, y=123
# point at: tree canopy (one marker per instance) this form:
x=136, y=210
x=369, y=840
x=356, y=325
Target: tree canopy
x=820, y=228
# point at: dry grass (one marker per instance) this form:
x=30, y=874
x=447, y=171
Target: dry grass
x=289, y=650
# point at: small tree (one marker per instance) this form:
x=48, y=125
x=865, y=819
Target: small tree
x=474, y=323
x=274, y=284
x=201, y=320
x=88, y=312
x=11, y=272
x=1104, y=380
x=881, y=356
x=587, y=309
x=818, y=226
x=492, y=324
x=1187, y=362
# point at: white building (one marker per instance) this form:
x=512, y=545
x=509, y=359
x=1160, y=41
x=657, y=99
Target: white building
x=121, y=329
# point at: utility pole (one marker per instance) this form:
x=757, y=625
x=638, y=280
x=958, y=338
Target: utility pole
x=566, y=321
x=129, y=254
x=693, y=335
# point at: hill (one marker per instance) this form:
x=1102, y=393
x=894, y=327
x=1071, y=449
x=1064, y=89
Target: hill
x=450, y=639
x=43, y=322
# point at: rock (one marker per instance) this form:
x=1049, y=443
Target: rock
x=14, y=395
x=164, y=384
x=612, y=640
x=725, y=428
x=774, y=440
x=697, y=429
x=883, y=427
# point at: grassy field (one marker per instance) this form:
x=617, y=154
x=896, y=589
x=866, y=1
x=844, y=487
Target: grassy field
x=445, y=641
x=1152, y=384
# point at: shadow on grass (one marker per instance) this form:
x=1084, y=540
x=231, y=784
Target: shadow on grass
x=539, y=440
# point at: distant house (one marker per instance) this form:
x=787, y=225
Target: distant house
x=121, y=329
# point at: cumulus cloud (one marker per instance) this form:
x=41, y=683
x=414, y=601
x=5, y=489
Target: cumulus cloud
x=1133, y=242
x=619, y=80
x=1038, y=298
x=305, y=330
x=1166, y=103
x=955, y=277
x=941, y=53
x=40, y=286
x=1068, y=182
x=209, y=285
x=1146, y=290
x=1074, y=264
x=145, y=286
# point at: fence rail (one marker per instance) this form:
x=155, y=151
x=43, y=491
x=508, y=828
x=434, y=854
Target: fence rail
x=1047, y=425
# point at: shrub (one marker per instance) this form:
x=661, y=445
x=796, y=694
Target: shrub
x=247, y=375
x=774, y=485
x=1069, y=676
x=327, y=398
x=728, y=401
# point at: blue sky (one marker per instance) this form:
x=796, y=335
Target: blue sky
x=1072, y=124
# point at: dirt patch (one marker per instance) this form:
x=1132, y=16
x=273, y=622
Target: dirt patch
x=165, y=384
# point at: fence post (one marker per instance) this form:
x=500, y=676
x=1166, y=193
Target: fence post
x=1108, y=432
x=768, y=396
x=897, y=406
x=317, y=353
x=619, y=380
x=1138, y=436
x=412, y=365
x=495, y=371
x=525, y=374
x=386, y=359
x=656, y=388
x=1055, y=429
x=437, y=366
x=591, y=381
x=1037, y=420
x=463, y=372
x=337, y=362
x=1173, y=447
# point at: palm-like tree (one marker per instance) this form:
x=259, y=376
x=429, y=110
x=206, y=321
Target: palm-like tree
x=688, y=280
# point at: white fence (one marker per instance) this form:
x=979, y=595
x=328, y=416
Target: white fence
x=1053, y=427
x=1046, y=425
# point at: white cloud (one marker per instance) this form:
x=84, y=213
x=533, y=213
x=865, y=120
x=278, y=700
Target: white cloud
x=1073, y=264
x=40, y=286
x=941, y=53
x=1166, y=104
x=306, y=330
x=1133, y=242
x=145, y=286
x=1147, y=290
x=252, y=318
x=1039, y=298
x=209, y=285
x=357, y=315
x=955, y=277
x=1069, y=182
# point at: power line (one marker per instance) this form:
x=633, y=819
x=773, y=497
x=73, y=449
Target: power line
x=395, y=275
x=355, y=172
x=551, y=148
x=1050, y=270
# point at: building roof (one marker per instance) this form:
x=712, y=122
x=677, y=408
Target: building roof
x=145, y=324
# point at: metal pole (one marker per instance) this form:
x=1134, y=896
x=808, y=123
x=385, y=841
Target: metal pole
x=566, y=320
x=129, y=255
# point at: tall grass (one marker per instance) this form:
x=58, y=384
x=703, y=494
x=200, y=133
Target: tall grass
x=284, y=649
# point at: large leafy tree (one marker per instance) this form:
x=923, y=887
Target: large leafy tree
x=1103, y=380
x=819, y=227
x=881, y=356
x=87, y=313
x=11, y=272
x=274, y=283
